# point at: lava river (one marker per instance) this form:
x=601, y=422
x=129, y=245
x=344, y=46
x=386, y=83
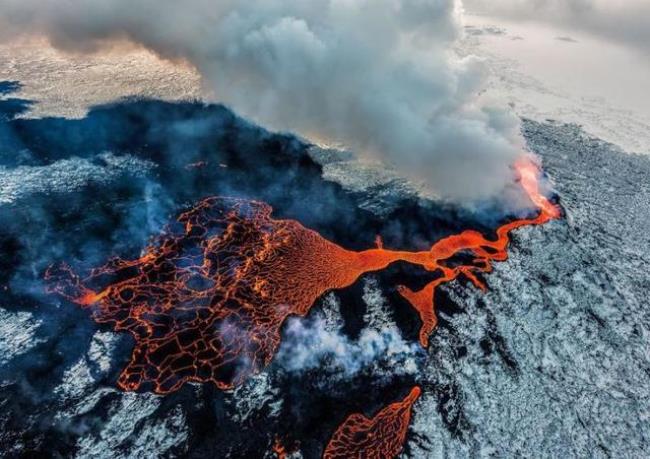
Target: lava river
x=207, y=299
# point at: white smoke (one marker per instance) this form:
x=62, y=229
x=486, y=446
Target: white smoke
x=320, y=343
x=374, y=76
x=311, y=344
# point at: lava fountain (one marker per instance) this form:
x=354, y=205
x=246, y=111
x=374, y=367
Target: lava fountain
x=207, y=299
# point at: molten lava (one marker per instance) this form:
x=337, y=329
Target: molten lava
x=485, y=251
x=207, y=299
x=278, y=449
x=381, y=437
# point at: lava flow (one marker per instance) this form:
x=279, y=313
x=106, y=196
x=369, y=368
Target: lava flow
x=484, y=250
x=207, y=299
x=381, y=437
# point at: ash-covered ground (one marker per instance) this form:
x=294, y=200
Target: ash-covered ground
x=552, y=361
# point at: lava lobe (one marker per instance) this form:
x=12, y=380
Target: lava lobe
x=381, y=437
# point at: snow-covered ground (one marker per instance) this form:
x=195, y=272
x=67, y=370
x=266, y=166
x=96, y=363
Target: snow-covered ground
x=67, y=175
x=546, y=72
x=17, y=334
x=568, y=376
x=67, y=85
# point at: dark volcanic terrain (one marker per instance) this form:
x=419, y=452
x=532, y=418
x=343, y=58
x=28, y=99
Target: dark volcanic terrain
x=552, y=359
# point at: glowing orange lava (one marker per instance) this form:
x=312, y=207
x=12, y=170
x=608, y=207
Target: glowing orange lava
x=279, y=449
x=207, y=299
x=381, y=437
x=484, y=250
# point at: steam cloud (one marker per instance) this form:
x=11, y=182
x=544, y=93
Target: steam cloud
x=311, y=344
x=320, y=342
x=375, y=76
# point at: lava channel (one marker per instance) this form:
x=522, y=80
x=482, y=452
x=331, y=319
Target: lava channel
x=381, y=437
x=207, y=299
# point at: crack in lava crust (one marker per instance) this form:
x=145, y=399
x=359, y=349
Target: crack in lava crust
x=207, y=299
x=383, y=436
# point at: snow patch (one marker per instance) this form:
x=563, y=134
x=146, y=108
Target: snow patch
x=17, y=334
x=255, y=395
x=67, y=175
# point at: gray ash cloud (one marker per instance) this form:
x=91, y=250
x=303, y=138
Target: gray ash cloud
x=379, y=77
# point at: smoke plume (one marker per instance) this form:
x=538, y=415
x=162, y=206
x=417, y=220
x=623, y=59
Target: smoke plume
x=308, y=345
x=376, y=76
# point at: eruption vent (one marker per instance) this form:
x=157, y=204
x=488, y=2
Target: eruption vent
x=382, y=436
x=484, y=250
x=207, y=299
